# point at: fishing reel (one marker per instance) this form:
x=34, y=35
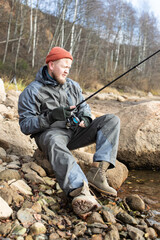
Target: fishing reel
x=72, y=121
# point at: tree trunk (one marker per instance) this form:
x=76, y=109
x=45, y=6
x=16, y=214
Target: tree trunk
x=8, y=33
x=73, y=28
x=34, y=35
x=20, y=36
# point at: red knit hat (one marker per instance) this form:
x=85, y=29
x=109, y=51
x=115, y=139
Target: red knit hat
x=57, y=53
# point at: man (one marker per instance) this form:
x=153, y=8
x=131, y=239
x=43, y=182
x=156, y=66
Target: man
x=45, y=109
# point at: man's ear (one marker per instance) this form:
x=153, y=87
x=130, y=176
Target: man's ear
x=50, y=65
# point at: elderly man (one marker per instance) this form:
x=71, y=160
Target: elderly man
x=45, y=108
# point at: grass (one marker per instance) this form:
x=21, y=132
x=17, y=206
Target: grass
x=19, y=86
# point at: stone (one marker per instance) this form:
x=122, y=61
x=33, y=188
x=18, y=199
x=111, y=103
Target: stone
x=25, y=216
x=10, y=195
x=113, y=234
x=22, y=187
x=135, y=233
x=135, y=202
x=37, y=169
x=9, y=174
x=108, y=217
x=3, y=153
x=151, y=233
x=33, y=177
x=12, y=158
x=5, y=210
x=5, y=228
x=37, y=228
x=80, y=229
x=126, y=218
x=94, y=217
x=18, y=230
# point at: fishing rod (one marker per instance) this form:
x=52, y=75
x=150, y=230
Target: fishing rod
x=74, y=120
x=123, y=74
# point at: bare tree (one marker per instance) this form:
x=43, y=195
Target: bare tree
x=35, y=35
x=8, y=32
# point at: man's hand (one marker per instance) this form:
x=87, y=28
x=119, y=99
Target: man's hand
x=60, y=114
x=85, y=122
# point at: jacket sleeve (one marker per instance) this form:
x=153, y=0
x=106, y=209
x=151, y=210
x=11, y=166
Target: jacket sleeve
x=31, y=120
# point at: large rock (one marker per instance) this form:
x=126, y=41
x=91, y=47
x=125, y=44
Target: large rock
x=139, y=145
x=13, y=140
x=2, y=92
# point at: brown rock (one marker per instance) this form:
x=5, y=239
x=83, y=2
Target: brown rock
x=135, y=202
x=139, y=139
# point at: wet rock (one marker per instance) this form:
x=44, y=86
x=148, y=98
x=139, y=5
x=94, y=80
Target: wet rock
x=9, y=174
x=135, y=202
x=37, y=228
x=25, y=216
x=5, y=210
x=126, y=218
x=22, y=187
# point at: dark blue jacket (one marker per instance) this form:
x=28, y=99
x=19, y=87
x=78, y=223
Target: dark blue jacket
x=43, y=95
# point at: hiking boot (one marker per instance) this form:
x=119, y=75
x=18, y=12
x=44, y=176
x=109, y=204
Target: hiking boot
x=97, y=179
x=83, y=202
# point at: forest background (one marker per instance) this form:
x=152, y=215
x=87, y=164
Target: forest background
x=106, y=38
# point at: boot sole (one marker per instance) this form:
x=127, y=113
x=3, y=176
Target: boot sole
x=82, y=205
x=102, y=191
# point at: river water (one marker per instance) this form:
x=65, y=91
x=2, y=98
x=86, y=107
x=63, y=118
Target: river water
x=145, y=183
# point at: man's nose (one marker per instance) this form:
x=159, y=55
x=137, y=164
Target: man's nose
x=67, y=70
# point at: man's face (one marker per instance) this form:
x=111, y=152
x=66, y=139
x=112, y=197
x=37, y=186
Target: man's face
x=59, y=69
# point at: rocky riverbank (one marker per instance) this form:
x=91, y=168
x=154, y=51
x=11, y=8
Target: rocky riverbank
x=32, y=206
